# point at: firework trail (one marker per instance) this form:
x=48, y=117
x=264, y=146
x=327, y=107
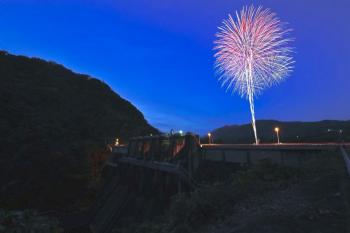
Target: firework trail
x=252, y=53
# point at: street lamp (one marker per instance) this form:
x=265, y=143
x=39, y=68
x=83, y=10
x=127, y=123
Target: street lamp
x=277, y=130
x=209, y=138
x=117, y=142
x=340, y=133
x=181, y=132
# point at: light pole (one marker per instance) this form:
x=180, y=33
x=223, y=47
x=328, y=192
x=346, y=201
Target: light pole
x=277, y=130
x=209, y=138
x=340, y=133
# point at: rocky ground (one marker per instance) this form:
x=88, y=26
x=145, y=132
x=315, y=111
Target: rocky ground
x=319, y=203
x=268, y=198
x=27, y=221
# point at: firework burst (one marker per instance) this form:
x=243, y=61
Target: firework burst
x=252, y=53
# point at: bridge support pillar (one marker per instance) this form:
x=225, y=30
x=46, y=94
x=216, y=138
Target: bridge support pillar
x=179, y=188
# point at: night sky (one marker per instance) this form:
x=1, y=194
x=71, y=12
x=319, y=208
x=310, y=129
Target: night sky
x=158, y=54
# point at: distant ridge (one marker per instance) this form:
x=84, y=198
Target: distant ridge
x=290, y=131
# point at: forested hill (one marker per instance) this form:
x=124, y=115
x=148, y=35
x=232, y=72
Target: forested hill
x=52, y=121
x=321, y=131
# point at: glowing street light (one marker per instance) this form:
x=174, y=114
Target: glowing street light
x=180, y=132
x=117, y=142
x=209, y=138
x=277, y=130
x=339, y=131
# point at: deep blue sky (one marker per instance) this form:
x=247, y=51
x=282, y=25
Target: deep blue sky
x=158, y=55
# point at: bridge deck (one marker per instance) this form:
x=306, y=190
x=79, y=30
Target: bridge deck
x=174, y=169
x=274, y=146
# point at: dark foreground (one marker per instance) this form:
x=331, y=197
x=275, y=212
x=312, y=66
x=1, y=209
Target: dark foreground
x=268, y=198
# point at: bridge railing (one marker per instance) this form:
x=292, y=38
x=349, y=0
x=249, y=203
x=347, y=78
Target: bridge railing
x=284, y=154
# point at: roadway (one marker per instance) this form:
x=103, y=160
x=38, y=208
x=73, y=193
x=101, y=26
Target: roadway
x=281, y=146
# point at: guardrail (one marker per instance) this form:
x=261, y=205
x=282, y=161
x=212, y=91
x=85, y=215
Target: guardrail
x=175, y=169
x=273, y=146
x=346, y=159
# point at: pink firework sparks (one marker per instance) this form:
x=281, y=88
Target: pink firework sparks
x=252, y=53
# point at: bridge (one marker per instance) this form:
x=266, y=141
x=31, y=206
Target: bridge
x=166, y=165
x=291, y=154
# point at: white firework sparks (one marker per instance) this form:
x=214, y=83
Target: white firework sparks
x=253, y=53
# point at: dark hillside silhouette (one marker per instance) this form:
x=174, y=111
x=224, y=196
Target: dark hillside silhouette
x=52, y=123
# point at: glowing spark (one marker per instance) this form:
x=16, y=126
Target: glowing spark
x=252, y=53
